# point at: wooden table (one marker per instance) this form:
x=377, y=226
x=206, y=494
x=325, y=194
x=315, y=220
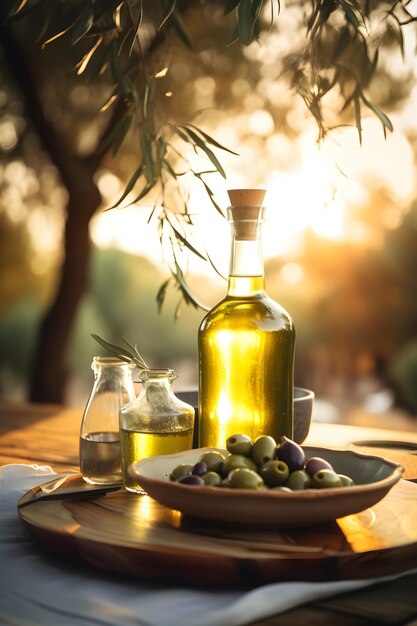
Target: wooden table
x=48, y=435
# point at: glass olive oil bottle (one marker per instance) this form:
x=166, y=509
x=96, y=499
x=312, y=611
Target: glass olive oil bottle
x=99, y=434
x=156, y=423
x=246, y=343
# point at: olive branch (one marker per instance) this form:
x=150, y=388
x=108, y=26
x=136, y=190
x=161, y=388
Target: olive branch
x=117, y=39
x=127, y=353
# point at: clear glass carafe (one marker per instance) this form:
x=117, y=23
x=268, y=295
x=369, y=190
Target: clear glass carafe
x=246, y=343
x=157, y=422
x=100, y=461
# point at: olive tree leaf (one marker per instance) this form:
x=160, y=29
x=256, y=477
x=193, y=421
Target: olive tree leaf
x=129, y=186
x=109, y=8
x=272, y=9
x=349, y=13
x=370, y=67
x=386, y=122
x=16, y=7
x=181, y=32
x=186, y=292
x=210, y=140
x=168, y=167
x=210, y=260
x=256, y=9
x=82, y=65
x=143, y=193
x=147, y=155
x=184, y=241
x=19, y=9
x=312, y=18
x=123, y=128
x=83, y=24
x=183, y=136
x=160, y=296
x=397, y=32
x=108, y=137
x=60, y=33
x=230, y=5
x=209, y=153
x=145, y=101
x=118, y=351
x=135, y=351
x=130, y=355
x=358, y=117
x=209, y=193
x=99, y=63
x=342, y=43
x=234, y=36
x=244, y=19
x=170, y=6
x=178, y=24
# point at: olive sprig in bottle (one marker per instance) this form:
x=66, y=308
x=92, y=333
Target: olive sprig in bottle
x=129, y=354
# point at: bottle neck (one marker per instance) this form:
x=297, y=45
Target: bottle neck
x=157, y=382
x=111, y=373
x=246, y=275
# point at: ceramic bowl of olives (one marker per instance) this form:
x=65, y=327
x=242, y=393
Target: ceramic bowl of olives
x=264, y=483
x=303, y=411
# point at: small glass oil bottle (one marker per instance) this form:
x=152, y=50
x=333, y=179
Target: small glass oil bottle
x=100, y=461
x=157, y=422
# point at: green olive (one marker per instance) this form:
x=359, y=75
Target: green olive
x=213, y=460
x=212, y=479
x=181, y=470
x=264, y=449
x=346, y=480
x=244, y=478
x=233, y=461
x=325, y=479
x=274, y=473
x=239, y=444
x=298, y=480
x=281, y=488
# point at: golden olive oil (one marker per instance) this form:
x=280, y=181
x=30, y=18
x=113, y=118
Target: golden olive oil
x=140, y=445
x=100, y=461
x=246, y=356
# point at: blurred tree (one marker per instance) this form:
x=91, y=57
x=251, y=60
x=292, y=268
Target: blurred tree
x=118, y=44
x=111, y=308
x=355, y=309
x=403, y=375
x=19, y=322
x=16, y=274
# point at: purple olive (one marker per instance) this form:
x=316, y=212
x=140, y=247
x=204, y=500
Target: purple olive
x=315, y=464
x=191, y=480
x=291, y=453
x=199, y=468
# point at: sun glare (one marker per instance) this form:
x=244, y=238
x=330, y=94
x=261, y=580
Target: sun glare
x=128, y=230
x=317, y=192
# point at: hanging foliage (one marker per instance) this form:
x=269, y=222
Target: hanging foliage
x=117, y=39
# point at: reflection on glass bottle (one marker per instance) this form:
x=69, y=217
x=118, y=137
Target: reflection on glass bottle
x=246, y=343
x=100, y=461
x=157, y=422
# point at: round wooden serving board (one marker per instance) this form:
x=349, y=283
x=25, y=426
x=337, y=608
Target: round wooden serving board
x=135, y=535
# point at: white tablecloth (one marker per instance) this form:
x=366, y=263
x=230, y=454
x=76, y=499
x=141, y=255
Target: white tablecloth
x=37, y=590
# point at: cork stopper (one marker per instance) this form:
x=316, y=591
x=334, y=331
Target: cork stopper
x=246, y=197
x=246, y=211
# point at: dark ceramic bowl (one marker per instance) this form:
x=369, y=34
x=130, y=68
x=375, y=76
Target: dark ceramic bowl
x=303, y=410
x=373, y=476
